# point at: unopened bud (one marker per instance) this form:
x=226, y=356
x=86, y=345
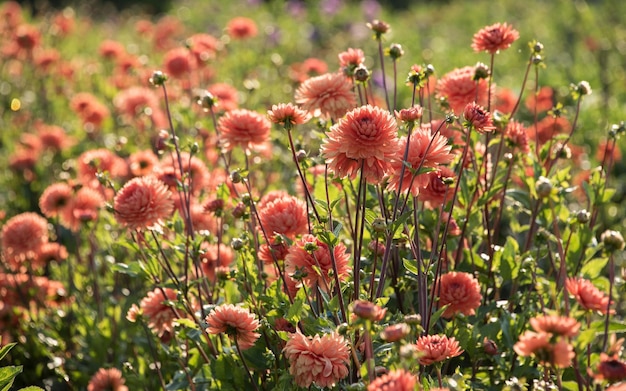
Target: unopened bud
x=158, y=78
x=613, y=240
x=543, y=187
x=490, y=347
x=395, y=51
x=361, y=73
x=379, y=225
x=237, y=244
x=583, y=216
x=481, y=71
x=395, y=332
x=368, y=310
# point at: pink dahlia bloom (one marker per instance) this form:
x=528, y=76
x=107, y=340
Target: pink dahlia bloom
x=365, y=138
x=311, y=257
x=396, y=380
x=288, y=115
x=283, y=214
x=459, y=88
x=461, y=292
x=55, y=199
x=235, y=321
x=84, y=207
x=22, y=237
x=159, y=312
x=329, y=95
x=243, y=128
x=436, y=348
x=143, y=203
x=107, y=380
x=494, y=38
x=478, y=118
x=320, y=360
x=587, y=295
x=425, y=151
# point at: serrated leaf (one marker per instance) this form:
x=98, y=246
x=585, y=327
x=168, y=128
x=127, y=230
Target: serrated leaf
x=594, y=267
x=7, y=376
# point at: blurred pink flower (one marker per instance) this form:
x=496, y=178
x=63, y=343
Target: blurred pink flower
x=143, y=203
x=107, y=380
x=459, y=88
x=321, y=360
x=436, y=348
x=329, y=95
x=396, y=380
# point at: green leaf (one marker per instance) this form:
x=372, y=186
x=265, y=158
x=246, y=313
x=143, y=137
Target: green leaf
x=410, y=265
x=5, y=349
x=7, y=376
x=594, y=267
x=133, y=269
x=31, y=388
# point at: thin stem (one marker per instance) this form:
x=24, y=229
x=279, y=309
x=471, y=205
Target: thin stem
x=382, y=69
x=245, y=365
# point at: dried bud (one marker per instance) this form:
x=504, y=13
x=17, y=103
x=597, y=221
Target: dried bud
x=584, y=88
x=378, y=27
x=368, y=310
x=395, y=332
x=361, y=73
x=613, y=240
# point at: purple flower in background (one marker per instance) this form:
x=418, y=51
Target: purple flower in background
x=331, y=7
x=296, y=8
x=371, y=9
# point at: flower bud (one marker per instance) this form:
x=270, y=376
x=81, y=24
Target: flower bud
x=378, y=27
x=543, y=187
x=158, y=78
x=239, y=210
x=613, y=240
x=379, y=225
x=395, y=51
x=481, y=71
x=206, y=100
x=235, y=176
x=301, y=155
x=368, y=310
x=414, y=319
x=584, y=88
x=395, y=332
x=490, y=347
x=537, y=47
x=582, y=216
x=237, y=244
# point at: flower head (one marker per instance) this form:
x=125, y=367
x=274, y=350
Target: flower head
x=243, y=128
x=587, y=295
x=241, y=28
x=329, y=95
x=460, y=292
x=494, y=38
x=55, y=199
x=107, y=380
x=227, y=96
x=143, y=203
x=288, y=115
x=426, y=151
x=478, y=118
x=436, y=191
x=396, y=380
x=284, y=214
x=365, y=138
x=350, y=60
x=436, y=348
x=459, y=88
x=321, y=360
x=558, y=325
x=160, y=312
x=610, y=368
x=311, y=258
x=235, y=321
x=178, y=62
x=22, y=237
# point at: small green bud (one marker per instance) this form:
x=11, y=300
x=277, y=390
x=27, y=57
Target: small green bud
x=158, y=78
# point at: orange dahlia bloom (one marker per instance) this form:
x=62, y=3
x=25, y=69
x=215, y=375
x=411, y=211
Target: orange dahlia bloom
x=310, y=257
x=194, y=168
x=396, y=380
x=84, y=208
x=532, y=343
x=321, y=360
x=459, y=88
x=461, y=292
x=283, y=214
x=437, y=190
x=424, y=150
x=203, y=46
x=516, y=136
x=235, y=321
x=107, y=380
x=617, y=387
x=329, y=95
x=95, y=161
x=214, y=256
x=288, y=115
x=558, y=325
x=587, y=295
x=241, y=28
x=243, y=128
x=142, y=163
x=436, y=348
x=562, y=354
x=160, y=313
x=494, y=38
x=610, y=368
x=22, y=237
x=143, y=203
x=55, y=199
x=365, y=138
x=227, y=96
x=479, y=118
